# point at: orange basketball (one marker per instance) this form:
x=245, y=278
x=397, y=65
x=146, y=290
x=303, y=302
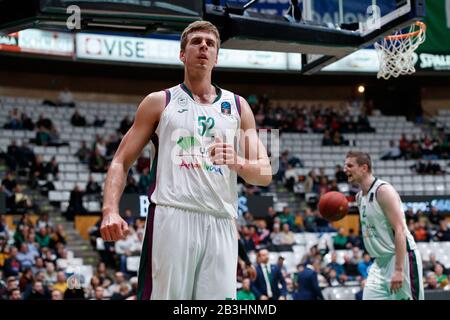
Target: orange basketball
x=333, y=206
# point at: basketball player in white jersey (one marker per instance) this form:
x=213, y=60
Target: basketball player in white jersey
x=396, y=273
x=190, y=249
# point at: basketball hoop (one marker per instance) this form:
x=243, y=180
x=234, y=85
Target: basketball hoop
x=396, y=52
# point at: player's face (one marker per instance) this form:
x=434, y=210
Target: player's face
x=353, y=171
x=201, y=50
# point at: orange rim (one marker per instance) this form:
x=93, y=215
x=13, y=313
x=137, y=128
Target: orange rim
x=423, y=28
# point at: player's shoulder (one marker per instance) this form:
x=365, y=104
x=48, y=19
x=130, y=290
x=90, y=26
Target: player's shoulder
x=155, y=100
x=385, y=191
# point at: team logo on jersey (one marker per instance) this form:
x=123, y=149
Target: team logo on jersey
x=182, y=110
x=225, y=107
x=186, y=143
x=182, y=101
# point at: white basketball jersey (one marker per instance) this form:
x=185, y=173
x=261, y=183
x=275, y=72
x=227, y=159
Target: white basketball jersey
x=185, y=175
x=377, y=232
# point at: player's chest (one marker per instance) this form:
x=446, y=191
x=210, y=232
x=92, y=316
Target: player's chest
x=202, y=120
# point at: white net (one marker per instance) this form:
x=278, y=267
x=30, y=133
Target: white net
x=396, y=52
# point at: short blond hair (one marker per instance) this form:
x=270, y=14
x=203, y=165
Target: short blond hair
x=361, y=158
x=199, y=26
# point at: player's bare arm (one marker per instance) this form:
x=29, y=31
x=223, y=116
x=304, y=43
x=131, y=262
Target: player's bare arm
x=390, y=203
x=147, y=116
x=255, y=166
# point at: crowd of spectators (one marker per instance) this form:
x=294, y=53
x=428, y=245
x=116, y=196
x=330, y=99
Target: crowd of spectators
x=303, y=118
x=424, y=148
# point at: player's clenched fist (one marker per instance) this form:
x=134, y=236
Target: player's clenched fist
x=223, y=153
x=113, y=228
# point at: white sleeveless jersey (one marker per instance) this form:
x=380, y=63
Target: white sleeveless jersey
x=185, y=175
x=377, y=232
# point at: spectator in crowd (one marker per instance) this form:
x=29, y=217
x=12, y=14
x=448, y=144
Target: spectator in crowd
x=50, y=273
x=287, y=236
x=276, y=236
x=26, y=280
x=340, y=240
x=77, y=120
x=98, y=123
x=92, y=187
x=25, y=256
x=245, y=293
x=65, y=98
x=353, y=240
x=350, y=269
x=431, y=282
x=56, y=295
x=404, y=146
x=430, y=264
x=309, y=221
x=263, y=233
x=287, y=217
x=75, y=203
x=14, y=121
x=125, y=125
x=97, y=162
x=338, y=140
x=359, y=294
x=131, y=186
x=52, y=168
x=440, y=276
x=37, y=292
x=123, y=293
x=27, y=123
x=247, y=239
x=130, y=246
x=15, y=294
x=443, y=234
x=43, y=122
x=111, y=146
x=363, y=266
x=9, y=185
x=421, y=233
x=271, y=214
x=337, y=267
x=393, y=153
x=323, y=186
x=308, y=284
x=269, y=283
x=143, y=162
x=434, y=217
x=99, y=293
x=12, y=155
x=61, y=282
x=339, y=174
x=58, y=236
x=37, y=172
x=42, y=237
x=83, y=153
x=144, y=181
x=311, y=182
x=410, y=216
x=327, y=140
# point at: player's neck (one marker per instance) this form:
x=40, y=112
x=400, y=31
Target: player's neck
x=200, y=87
x=366, y=183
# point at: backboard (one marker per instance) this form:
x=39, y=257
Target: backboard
x=370, y=19
x=327, y=31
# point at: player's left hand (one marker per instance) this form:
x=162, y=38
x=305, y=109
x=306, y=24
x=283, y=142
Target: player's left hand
x=222, y=153
x=396, y=281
